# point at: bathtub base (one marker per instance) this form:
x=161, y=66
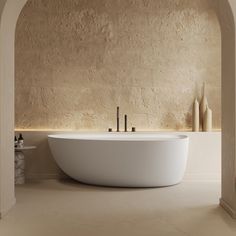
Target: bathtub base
x=137, y=160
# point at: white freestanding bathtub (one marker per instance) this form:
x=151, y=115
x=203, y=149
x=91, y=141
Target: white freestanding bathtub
x=121, y=159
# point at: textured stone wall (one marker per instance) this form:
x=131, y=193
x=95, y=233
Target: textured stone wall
x=76, y=60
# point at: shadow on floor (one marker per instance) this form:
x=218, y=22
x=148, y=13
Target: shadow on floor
x=73, y=185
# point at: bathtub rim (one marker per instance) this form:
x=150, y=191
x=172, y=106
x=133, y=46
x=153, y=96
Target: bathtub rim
x=121, y=136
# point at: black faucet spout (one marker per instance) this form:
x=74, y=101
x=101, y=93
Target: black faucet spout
x=117, y=119
x=126, y=123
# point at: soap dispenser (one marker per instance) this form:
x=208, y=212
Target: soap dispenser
x=21, y=141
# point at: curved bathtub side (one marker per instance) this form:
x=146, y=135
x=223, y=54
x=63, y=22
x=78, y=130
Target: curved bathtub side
x=122, y=163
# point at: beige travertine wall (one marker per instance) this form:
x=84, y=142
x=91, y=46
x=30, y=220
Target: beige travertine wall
x=76, y=60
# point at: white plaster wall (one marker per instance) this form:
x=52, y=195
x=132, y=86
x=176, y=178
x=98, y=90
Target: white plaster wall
x=9, y=16
x=227, y=19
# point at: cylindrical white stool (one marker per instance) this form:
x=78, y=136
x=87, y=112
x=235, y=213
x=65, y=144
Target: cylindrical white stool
x=20, y=163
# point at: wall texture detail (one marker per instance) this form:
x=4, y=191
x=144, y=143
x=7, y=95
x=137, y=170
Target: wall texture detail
x=76, y=60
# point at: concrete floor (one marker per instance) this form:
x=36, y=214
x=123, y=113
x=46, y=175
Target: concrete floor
x=68, y=208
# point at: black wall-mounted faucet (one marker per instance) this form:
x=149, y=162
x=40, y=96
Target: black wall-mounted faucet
x=125, y=123
x=118, y=122
x=117, y=119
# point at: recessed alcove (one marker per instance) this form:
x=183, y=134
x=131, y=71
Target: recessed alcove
x=227, y=10
x=150, y=59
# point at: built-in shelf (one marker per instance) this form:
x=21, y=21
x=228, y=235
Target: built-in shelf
x=71, y=130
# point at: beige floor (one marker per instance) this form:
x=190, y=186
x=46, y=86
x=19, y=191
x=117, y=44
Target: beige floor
x=68, y=208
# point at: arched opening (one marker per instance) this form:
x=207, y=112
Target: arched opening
x=10, y=14
x=227, y=21
x=10, y=11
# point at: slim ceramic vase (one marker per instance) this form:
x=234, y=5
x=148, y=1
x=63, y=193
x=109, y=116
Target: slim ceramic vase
x=195, y=116
x=203, y=106
x=207, y=123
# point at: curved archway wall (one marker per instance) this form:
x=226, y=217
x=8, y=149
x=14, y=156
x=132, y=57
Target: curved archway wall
x=10, y=10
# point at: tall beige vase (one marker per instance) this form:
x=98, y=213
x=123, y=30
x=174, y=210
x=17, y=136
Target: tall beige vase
x=195, y=116
x=207, y=123
x=203, y=106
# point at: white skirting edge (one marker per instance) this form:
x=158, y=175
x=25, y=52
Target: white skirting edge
x=202, y=177
x=5, y=211
x=45, y=176
x=188, y=177
x=228, y=208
